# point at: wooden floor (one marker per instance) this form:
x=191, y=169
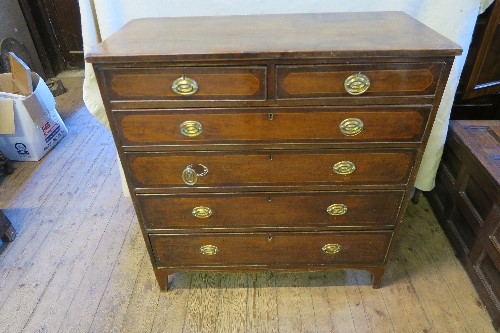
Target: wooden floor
x=79, y=264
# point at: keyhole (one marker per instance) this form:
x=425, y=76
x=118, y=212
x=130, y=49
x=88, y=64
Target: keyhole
x=269, y=199
x=270, y=157
x=270, y=116
x=269, y=238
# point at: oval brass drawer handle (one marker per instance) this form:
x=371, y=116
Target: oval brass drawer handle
x=344, y=167
x=209, y=250
x=191, y=128
x=184, y=86
x=192, y=172
x=336, y=209
x=202, y=212
x=331, y=248
x=357, y=84
x=351, y=126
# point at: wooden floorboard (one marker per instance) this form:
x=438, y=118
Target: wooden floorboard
x=113, y=306
x=234, y=297
x=79, y=263
x=170, y=314
x=262, y=307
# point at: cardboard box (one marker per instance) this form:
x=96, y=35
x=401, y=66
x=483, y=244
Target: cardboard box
x=30, y=125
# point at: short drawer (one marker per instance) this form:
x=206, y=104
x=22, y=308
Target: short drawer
x=276, y=249
x=277, y=125
x=271, y=168
x=191, y=83
x=395, y=79
x=271, y=210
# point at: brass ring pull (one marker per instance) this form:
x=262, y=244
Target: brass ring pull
x=336, y=209
x=191, y=128
x=184, y=86
x=351, y=126
x=357, y=84
x=331, y=248
x=209, y=250
x=344, y=167
x=202, y=212
x=190, y=174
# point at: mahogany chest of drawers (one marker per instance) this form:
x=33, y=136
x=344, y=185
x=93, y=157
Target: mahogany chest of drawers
x=271, y=142
x=466, y=201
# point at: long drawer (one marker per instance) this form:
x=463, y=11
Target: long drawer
x=395, y=79
x=271, y=168
x=270, y=210
x=277, y=249
x=191, y=83
x=279, y=125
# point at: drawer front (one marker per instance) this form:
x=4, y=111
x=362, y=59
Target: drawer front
x=379, y=79
x=280, y=125
x=201, y=83
x=271, y=210
x=474, y=202
x=280, y=249
x=271, y=168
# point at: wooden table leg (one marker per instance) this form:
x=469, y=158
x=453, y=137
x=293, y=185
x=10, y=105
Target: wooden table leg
x=162, y=278
x=377, y=273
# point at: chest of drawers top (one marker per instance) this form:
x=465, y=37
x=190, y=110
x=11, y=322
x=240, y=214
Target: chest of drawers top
x=283, y=36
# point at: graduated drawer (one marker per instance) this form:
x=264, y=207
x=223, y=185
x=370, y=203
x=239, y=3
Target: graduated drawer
x=276, y=249
x=394, y=79
x=212, y=83
x=278, y=125
x=271, y=210
x=271, y=168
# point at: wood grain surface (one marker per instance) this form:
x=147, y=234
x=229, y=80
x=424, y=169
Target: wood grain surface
x=247, y=36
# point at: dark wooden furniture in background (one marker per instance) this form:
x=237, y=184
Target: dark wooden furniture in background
x=466, y=197
x=273, y=142
x=7, y=231
x=466, y=201
x=478, y=93
x=55, y=26
x=6, y=166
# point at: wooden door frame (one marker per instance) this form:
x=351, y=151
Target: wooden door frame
x=473, y=88
x=51, y=47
